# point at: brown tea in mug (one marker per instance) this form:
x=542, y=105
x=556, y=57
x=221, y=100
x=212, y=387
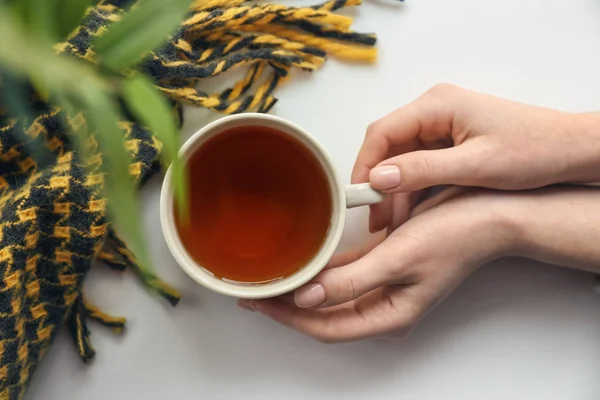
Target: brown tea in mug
x=260, y=205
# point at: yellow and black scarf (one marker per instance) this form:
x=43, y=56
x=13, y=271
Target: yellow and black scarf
x=53, y=219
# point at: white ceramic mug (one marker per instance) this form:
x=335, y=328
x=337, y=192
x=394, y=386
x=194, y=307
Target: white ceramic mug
x=342, y=196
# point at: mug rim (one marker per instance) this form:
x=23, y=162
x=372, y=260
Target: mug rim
x=289, y=283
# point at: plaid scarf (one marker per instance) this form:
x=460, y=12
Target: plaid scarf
x=53, y=218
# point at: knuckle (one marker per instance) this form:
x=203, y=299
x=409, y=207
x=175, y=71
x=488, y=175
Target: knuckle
x=393, y=256
x=324, y=339
x=346, y=290
x=341, y=286
x=372, y=129
x=421, y=166
x=405, y=317
x=399, y=258
x=405, y=325
x=409, y=321
x=326, y=335
x=442, y=90
x=402, y=332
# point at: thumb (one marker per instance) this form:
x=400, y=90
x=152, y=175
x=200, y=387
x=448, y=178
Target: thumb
x=408, y=172
x=342, y=284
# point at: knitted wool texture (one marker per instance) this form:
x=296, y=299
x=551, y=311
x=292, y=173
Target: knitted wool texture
x=53, y=219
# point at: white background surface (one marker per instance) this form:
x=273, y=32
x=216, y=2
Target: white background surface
x=515, y=330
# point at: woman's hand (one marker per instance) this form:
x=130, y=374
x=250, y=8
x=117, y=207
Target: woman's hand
x=390, y=287
x=452, y=136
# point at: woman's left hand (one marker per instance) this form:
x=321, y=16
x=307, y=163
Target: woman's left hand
x=393, y=285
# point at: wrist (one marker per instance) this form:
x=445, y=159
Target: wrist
x=508, y=218
x=557, y=226
x=582, y=147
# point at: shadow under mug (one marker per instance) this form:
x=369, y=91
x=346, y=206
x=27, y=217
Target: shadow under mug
x=342, y=197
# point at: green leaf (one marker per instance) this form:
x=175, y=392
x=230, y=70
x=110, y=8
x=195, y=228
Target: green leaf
x=14, y=95
x=70, y=78
x=144, y=28
x=38, y=18
x=37, y=62
x=153, y=110
x=69, y=112
x=43, y=20
x=70, y=14
x=19, y=8
x=123, y=206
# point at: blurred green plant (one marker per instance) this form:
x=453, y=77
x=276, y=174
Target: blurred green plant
x=30, y=28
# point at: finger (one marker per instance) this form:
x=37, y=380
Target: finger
x=380, y=214
x=345, y=283
x=377, y=313
x=460, y=165
x=351, y=256
x=418, y=197
x=445, y=195
x=401, y=209
x=346, y=257
x=245, y=304
x=396, y=211
x=428, y=118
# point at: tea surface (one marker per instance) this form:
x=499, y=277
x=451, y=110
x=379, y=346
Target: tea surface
x=260, y=205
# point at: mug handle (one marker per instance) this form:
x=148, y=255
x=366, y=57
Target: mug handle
x=362, y=194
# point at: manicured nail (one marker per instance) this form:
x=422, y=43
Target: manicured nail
x=310, y=295
x=385, y=177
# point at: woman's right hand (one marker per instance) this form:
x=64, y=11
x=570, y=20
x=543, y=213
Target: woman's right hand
x=373, y=291
x=455, y=136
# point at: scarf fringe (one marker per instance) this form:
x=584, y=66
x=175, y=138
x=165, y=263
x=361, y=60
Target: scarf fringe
x=82, y=309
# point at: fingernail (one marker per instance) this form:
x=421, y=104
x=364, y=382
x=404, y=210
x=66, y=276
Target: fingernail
x=310, y=295
x=385, y=177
